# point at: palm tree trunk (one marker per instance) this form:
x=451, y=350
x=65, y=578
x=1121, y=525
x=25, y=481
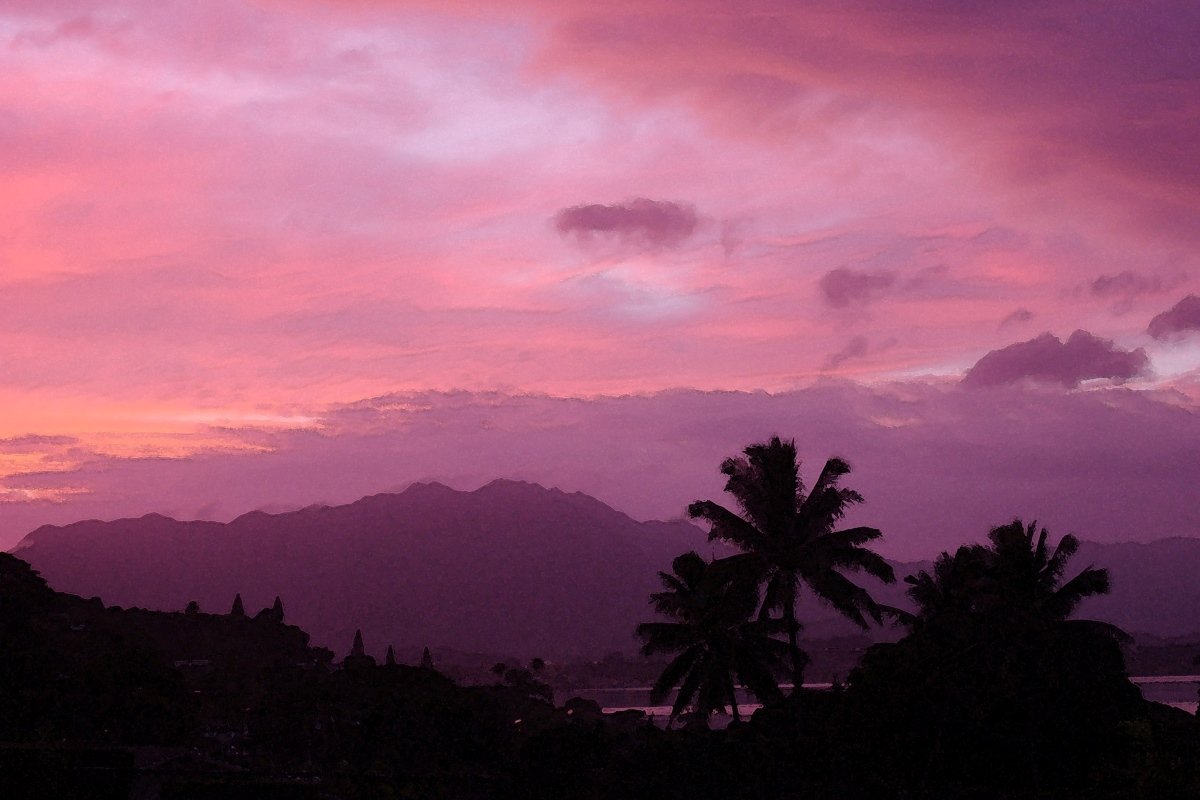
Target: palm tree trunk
x=789, y=615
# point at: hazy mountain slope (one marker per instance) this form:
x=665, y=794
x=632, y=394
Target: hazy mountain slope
x=1155, y=586
x=511, y=568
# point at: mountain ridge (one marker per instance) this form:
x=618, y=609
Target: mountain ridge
x=509, y=567
x=412, y=567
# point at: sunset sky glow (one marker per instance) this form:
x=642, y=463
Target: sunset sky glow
x=262, y=253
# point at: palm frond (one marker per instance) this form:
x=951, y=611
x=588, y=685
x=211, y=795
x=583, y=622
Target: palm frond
x=1068, y=546
x=1084, y=585
x=1100, y=629
x=726, y=525
x=847, y=597
x=831, y=473
x=664, y=637
x=758, y=675
x=673, y=674
x=690, y=567
x=690, y=684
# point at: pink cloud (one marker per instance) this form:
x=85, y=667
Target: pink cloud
x=1182, y=317
x=231, y=208
x=1061, y=107
x=1047, y=359
x=375, y=180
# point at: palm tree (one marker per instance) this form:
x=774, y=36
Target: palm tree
x=1014, y=690
x=1016, y=581
x=1029, y=575
x=788, y=537
x=716, y=637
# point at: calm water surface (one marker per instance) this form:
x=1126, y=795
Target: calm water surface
x=1178, y=691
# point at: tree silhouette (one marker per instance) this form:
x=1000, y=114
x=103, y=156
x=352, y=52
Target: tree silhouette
x=716, y=636
x=788, y=537
x=238, y=611
x=1014, y=584
x=996, y=685
x=1028, y=578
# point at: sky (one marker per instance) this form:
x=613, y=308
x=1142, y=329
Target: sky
x=259, y=254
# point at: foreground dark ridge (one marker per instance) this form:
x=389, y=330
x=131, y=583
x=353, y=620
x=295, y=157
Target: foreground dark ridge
x=101, y=702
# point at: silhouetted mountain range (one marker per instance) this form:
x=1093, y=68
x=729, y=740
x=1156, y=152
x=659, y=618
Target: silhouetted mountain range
x=510, y=568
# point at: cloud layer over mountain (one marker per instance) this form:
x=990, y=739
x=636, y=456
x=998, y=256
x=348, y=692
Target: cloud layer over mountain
x=938, y=464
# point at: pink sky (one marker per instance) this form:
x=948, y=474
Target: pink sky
x=225, y=223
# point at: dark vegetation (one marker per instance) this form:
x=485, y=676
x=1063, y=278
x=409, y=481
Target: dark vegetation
x=992, y=690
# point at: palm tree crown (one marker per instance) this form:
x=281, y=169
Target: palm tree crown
x=788, y=539
x=1016, y=582
x=715, y=636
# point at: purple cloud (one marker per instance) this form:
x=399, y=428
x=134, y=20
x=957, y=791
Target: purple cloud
x=1016, y=317
x=641, y=222
x=1182, y=317
x=843, y=286
x=1047, y=359
x=1124, y=285
x=855, y=348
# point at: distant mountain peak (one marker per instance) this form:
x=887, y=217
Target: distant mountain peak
x=422, y=487
x=512, y=486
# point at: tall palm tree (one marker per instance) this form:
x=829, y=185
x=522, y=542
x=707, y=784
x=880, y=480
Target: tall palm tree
x=788, y=540
x=716, y=637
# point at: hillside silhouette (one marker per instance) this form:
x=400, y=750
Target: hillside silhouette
x=510, y=568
